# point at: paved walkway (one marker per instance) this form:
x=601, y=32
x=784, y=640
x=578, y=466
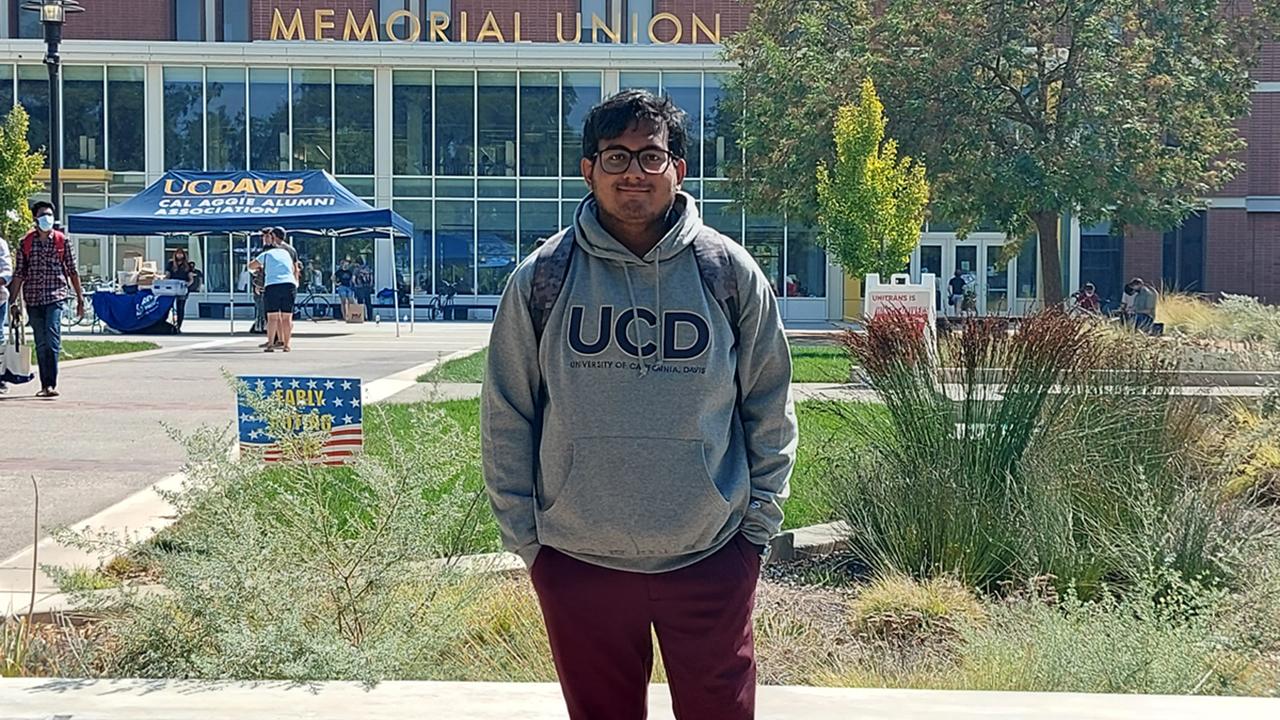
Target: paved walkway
x=104, y=441
x=38, y=699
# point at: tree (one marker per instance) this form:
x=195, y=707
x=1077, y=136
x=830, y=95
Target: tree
x=1025, y=110
x=871, y=203
x=18, y=168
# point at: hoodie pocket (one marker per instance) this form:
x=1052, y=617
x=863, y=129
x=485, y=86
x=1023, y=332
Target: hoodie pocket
x=632, y=496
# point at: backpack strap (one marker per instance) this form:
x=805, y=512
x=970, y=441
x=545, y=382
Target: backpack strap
x=59, y=245
x=715, y=265
x=550, y=268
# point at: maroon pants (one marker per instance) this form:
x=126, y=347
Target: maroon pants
x=598, y=621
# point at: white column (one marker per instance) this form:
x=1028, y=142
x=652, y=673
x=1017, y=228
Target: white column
x=210, y=20
x=835, y=291
x=155, y=122
x=4, y=17
x=382, y=146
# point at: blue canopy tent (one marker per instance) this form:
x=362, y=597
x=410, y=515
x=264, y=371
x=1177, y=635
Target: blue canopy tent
x=189, y=202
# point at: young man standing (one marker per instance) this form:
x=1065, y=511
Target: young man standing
x=44, y=277
x=638, y=429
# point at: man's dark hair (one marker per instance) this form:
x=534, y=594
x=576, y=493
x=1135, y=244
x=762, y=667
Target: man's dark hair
x=39, y=205
x=612, y=118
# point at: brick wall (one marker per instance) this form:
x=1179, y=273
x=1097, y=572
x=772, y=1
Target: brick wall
x=733, y=16
x=1229, y=253
x=1265, y=228
x=537, y=19
x=128, y=20
x=1264, y=145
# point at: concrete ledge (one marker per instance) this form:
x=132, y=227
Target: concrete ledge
x=41, y=699
x=809, y=542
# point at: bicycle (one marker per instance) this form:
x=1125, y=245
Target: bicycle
x=437, y=306
x=69, y=319
x=306, y=308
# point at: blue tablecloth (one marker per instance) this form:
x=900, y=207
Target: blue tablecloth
x=131, y=312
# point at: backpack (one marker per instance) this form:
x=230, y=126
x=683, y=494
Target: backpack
x=59, y=245
x=551, y=268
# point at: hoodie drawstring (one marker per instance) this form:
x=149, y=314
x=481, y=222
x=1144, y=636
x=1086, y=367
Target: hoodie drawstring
x=635, y=311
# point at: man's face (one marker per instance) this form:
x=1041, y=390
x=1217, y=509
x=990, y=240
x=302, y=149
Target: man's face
x=634, y=195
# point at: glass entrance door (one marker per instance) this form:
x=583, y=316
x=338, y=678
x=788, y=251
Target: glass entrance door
x=966, y=261
x=931, y=262
x=995, y=295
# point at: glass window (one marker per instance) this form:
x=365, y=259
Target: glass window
x=455, y=246
x=402, y=27
x=685, y=90
x=434, y=6
x=6, y=87
x=353, y=122
x=997, y=283
x=582, y=91
x=650, y=81
x=720, y=144
x=33, y=94
x=764, y=240
x=411, y=122
x=724, y=217
x=931, y=263
x=315, y=252
x=495, y=245
x=1028, y=263
x=183, y=118
x=496, y=107
x=539, y=124
x=235, y=21
x=538, y=221
x=455, y=122
x=313, y=120
x=28, y=22
x=639, y=13
x=127, y=248
x=353, y=251
x=225, y=115
x=89, y=255
x=418, y=212
x=217, y=270
x=268, y=119
x=806, y=263
x=188, y=20
x=83, y=116
x=126, y=119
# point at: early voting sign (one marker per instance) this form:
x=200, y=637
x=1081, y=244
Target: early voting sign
x=330, y=407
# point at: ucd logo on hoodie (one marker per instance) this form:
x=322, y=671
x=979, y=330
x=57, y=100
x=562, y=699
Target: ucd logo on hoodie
x=609, y=331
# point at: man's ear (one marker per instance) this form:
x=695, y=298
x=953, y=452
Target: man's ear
x=585, y=166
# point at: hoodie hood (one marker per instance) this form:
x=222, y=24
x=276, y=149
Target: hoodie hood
x=594, y=239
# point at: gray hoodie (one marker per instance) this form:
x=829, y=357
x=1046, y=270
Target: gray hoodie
x=624, y=446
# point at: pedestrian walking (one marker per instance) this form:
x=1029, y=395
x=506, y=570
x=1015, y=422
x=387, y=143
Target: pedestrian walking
x=280, y=288
x=955, y=292
x=362, y=283
x=6, y=276
x=638, y=430
x=44, y=278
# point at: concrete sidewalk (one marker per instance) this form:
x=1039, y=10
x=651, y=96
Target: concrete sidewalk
x=37, y=699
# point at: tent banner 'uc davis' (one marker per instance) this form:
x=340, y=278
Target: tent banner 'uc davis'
x=182, y=201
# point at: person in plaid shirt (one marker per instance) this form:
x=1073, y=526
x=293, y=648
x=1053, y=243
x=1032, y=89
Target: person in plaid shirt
x=44, y=276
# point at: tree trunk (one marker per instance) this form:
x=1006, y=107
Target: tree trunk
x=1050, y=261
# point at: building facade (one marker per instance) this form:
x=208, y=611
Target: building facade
x=465, y=116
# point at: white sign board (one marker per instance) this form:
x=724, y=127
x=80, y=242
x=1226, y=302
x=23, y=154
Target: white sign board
x=916, y=299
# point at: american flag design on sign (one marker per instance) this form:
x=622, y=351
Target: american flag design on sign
x=332, y=405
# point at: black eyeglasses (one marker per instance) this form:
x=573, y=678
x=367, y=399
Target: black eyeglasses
x=617, y=160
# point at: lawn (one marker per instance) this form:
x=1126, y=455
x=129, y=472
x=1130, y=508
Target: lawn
x=81, y=349
x=469, y=369
x=810, y=364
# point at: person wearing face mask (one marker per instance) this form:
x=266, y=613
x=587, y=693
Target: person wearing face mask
x=638, y=431
x=179, y=268
x=44, y=278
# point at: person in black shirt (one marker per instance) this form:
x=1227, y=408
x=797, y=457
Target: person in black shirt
x=955, y=290
x=180, y=268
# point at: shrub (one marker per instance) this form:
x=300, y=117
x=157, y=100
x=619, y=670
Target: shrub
x=302, y=572
x=1051, y=451
x=898, y=609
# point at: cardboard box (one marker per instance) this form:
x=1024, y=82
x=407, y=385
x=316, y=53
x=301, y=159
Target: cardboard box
x=353, y=312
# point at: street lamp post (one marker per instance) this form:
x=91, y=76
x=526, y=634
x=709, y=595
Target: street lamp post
x=53, y=13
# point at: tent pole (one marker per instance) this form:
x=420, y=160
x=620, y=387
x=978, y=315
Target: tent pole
x=395, y=286
x=231, y=272
x=413, y=278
